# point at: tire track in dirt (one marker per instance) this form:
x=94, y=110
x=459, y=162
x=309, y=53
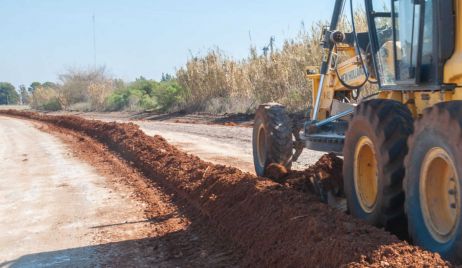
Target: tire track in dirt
x=273, y=224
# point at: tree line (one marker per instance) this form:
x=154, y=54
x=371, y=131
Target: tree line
x=10, y=96
x=96, y=90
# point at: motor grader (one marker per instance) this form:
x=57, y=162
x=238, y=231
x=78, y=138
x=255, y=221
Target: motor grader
x=402, y=145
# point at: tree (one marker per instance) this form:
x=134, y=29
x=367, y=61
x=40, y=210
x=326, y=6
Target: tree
x=34, y=86
x=49, y=85
x=146, y=87
x=75, y=85
x=25, y=95
x=166, y=77
x=8, y=94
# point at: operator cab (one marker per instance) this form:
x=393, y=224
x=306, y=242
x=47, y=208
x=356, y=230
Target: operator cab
x=411, y=41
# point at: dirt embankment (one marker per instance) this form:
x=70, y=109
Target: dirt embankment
x=273, y=224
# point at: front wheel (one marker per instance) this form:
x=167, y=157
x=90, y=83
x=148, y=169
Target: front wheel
x=433, y=182
x=272, y=138
x=373, y=169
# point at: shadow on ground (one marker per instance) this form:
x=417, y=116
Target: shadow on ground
x=176, y=249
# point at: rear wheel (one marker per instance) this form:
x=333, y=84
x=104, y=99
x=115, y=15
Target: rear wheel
x=433, y=182
x=373, y=170
x=272, y=137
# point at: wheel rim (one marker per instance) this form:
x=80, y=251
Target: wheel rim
x=261, y=146
x=365, y=174
x=440, y=194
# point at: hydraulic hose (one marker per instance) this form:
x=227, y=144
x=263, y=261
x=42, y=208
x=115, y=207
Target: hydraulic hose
x=358, y=52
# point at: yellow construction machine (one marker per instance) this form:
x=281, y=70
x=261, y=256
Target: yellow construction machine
x=402, y=146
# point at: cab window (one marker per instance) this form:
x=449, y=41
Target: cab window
x=384, y=32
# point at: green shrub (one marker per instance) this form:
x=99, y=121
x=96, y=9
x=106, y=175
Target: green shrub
x=116, y=102
x=147, y=102
x=52, y=105
x=169, y=94
x=143, y=94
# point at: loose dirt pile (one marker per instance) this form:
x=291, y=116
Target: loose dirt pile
x=273, y=224
x=323, y=177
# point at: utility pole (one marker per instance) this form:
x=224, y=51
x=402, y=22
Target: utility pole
x=94, y=42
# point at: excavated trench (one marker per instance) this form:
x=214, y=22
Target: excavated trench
x=280, y=225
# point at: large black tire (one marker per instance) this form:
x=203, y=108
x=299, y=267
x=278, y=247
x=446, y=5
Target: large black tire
x=381, y=128
x=439, y=131
x=272, y=137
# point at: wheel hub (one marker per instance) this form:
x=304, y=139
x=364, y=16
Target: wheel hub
x=366, y=174
x=261, y=146
x=440, y=194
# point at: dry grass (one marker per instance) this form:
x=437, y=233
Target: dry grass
x=217, y=83
x=277, y=76
x=90, y=86
x=80, y=90
x=98, y=93
x=45, y=98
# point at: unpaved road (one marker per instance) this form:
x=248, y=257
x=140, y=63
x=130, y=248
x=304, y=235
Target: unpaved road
x=48, y=200
x=63, y=202
x=231, y=146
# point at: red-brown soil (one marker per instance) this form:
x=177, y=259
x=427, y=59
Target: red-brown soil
x=273, y=224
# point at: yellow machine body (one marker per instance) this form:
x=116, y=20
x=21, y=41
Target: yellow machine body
x=416, y=100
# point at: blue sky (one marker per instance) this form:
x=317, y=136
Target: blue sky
x=41, y=38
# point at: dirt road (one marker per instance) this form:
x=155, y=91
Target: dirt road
x=225, y=145
x=64, y=202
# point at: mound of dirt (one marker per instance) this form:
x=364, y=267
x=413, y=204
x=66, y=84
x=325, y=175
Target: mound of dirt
x=323, y=177
x=274, y=224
